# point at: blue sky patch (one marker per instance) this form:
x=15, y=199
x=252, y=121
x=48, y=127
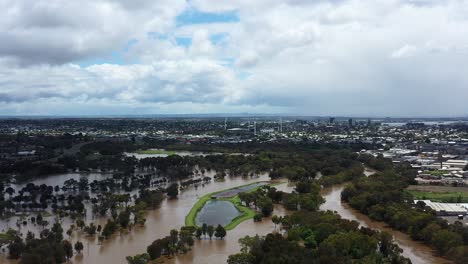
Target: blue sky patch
x=193, y=16
x=183, y=41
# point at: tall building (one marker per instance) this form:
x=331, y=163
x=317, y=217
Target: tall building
x=331, y=120
x=350, y=122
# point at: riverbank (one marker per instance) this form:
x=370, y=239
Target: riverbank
x=414, y=250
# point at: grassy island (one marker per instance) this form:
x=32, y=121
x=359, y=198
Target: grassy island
x=246, y=212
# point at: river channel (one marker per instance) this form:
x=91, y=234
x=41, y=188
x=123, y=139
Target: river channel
x=159, y=222
x=416, y=251
x=172, y=214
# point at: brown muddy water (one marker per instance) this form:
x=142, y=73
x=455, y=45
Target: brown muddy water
x=416, y=251
x=159, y=222
x=172, y=214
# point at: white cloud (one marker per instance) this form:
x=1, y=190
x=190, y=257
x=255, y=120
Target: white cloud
x=405, y=51
x=347, y=57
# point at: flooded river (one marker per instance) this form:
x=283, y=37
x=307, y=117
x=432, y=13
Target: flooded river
x=159, y=222
x=416, y=251
x=172, y=214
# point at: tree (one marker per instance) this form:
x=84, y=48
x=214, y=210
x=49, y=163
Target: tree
x=78, y=246
x=210, y=231
x=80, y=223
x=220, y=232
x=257, y=217
x=173, y=190
x=241, y=258
x=198, y=233
x=10, y=191
x=445, y=240
x=68, y=248
x=204, y=229
x=124, y=218
x=154, y=250
x=276, y=220
x=174, y=236
x=266, y=206
x=16, y=248
x=139, y=259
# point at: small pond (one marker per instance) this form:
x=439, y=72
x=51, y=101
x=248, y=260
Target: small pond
x=217, y=213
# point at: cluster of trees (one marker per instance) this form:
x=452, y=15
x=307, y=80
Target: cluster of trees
x=383, y=198
x=218, y=232
x=306, y=197
x=176, y=242
x=354, y=172
x=319, y=237
x=261, y=199
x=50, y=247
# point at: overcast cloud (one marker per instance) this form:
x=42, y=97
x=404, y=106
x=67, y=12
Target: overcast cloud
x=335, y=57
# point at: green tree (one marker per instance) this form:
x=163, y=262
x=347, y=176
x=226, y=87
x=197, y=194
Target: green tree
x=445, y=240
x=220, y=232
x=78, y=247
x=198, y=233
x=204, y=229
x=68, y=248
x=210, y=231
x=241, y=258
x=173, y=190
x=138, y=259
x=154, y=250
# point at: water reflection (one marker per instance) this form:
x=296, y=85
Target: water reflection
x=217, y=213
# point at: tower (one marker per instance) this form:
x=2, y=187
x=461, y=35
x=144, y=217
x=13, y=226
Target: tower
x=281, y=125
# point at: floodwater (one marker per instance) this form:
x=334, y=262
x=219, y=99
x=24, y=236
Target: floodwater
x=217, y=213
x=416, y=251
x=217, y=251
x=164, y=155
x=159, y=222
x=172, y=214
x=60, y=179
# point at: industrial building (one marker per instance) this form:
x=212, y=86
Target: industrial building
x=446, y=209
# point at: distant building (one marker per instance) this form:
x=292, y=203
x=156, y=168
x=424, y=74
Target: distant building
x=331, y=120
x=446, y=208
x=350, y=122
x=461, y=164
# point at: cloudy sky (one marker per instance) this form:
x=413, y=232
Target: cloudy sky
x=320, y=57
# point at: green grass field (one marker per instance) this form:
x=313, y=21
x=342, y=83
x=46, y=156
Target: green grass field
x=247, y=213
x=440, y=196
x=155, y=152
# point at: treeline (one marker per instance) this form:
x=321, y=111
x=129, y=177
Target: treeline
x=318, y=237
x=382, y=197
x=49, y=247
x=311, y=236
x=176, y=242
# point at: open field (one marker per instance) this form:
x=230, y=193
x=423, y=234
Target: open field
x=155, y=152
x=437, y=188
x=439, y=193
